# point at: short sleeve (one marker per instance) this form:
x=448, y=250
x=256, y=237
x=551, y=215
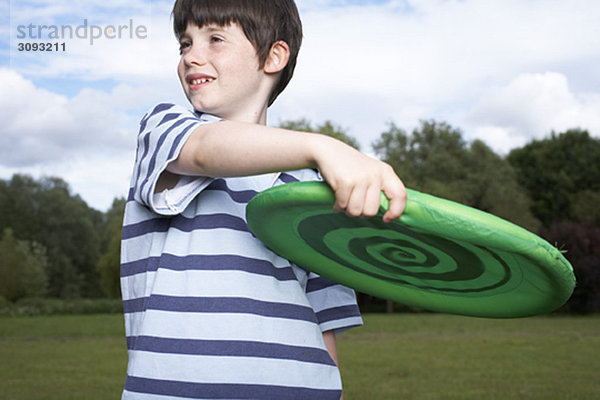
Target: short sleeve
x=163, y=132
x=335, y=305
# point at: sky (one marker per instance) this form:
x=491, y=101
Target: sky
x=503, y=71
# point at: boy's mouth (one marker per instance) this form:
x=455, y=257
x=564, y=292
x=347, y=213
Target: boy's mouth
x=196, y=80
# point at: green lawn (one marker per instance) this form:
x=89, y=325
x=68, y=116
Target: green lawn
x=423, y=357
x=62, y=357
x=402, y=356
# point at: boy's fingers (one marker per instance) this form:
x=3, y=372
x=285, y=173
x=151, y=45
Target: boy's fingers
x=342, y=198
x=356, y=201
x=372, y=202
x=394, y=212
x=397, y=203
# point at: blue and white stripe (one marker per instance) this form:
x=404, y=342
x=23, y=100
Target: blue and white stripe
x=210, y=312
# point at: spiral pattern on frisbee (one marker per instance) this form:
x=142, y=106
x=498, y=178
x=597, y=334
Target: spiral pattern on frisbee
x=397, y=255
x=438, y=255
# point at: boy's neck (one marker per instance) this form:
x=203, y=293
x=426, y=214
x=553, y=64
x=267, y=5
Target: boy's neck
x=252, y=117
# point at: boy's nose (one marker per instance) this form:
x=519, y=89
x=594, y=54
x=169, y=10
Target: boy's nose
x=195, y=56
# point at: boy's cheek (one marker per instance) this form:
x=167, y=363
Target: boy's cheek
x=181, y=73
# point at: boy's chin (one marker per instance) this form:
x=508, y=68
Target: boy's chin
x=208, y=111
x=198, y=106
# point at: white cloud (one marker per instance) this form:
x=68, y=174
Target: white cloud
x=411, y=60
x=530, y=107
x=441, y=46
x=43, y=127
x=88, y=140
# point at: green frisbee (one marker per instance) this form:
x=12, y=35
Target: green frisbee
x=439, y=255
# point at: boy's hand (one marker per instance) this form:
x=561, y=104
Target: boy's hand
x=358, y=180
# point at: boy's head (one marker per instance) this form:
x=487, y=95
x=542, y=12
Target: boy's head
x=264, y=22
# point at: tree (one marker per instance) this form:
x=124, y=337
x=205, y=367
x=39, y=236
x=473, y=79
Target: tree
x=491, y=185
x=12, y=261
x=436, y=160
x=427, y=159
x=581, y=243
x=110, y=261
x=327, y=128
x=584, y=206
x=562, y=176
x=22, y=268
x=45, y=212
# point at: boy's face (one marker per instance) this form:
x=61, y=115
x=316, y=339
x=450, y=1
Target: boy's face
x=219, y=71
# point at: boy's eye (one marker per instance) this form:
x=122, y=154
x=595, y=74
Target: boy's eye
x=216, y=39
x=183, y=46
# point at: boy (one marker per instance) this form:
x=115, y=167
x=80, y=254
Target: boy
x=210, y=312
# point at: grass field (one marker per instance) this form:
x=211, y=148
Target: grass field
x=424, y=357
x=402, y=356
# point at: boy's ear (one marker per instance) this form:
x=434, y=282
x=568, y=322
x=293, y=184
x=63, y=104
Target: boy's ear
x=278, y=57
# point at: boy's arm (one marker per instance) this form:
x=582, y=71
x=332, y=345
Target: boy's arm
x=330, y=343
x=229, y=148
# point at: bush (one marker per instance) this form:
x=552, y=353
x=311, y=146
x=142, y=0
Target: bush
x=22, y=267
x=37, y=306
x=581, y=243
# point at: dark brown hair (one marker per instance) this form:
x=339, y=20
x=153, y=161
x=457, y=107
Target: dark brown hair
x=264, y=22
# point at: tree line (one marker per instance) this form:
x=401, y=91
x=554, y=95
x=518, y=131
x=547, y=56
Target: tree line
x=52, y=244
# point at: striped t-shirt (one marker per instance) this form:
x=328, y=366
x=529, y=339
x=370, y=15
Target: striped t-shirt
x=210, y=312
